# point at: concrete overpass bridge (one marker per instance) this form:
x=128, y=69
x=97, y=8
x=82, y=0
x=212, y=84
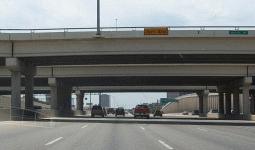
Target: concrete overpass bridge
x=129, y=59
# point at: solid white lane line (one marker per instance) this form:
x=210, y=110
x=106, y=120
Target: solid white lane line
x=51, y=142
x=84, y=126
x=164, y=144
x=201, y=129
x=22, y=124
x=142, y=128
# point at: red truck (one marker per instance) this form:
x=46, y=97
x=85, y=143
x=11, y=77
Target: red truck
x=142, y=111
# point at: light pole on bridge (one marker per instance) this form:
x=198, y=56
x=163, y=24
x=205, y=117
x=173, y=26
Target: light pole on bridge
x=98, y=18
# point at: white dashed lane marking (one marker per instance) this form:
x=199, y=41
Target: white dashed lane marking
x=165, y=145
x=84, y=126
x=142, y=128
x=53, y=141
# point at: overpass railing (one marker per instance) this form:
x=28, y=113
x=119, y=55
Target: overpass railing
x=93, y=29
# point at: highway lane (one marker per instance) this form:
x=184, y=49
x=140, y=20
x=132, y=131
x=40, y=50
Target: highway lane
x=110, y=136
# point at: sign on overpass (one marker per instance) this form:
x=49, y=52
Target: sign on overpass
x=156, y=31
x=239, y=32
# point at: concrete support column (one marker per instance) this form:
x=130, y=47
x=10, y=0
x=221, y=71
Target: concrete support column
x=53, y=95
x=65, y=99
x=15, y=95
x=236, y=102
x=228, y=103
x=246, y=96
x=253, y=104
x=200, y=103
x=203, y=102
x=79, y=102
x=60, y=98
x=14, y=65
x=29, y=72
x=221, y=103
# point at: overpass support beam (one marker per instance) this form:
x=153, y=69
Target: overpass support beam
x=247, y=81
x=203, y=102
x=79, y=102
x=14, y=65
x=228, y=103
x=60, y=97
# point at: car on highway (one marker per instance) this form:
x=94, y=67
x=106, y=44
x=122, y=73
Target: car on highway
x=120, y=111
x=142, y=111
x=185, y=113
x=97, y=111
x=213, y=111
x=158, y=113
x=195, y=112
x=110, y=111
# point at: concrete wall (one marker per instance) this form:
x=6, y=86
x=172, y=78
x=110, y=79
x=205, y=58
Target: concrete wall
x=189, y=103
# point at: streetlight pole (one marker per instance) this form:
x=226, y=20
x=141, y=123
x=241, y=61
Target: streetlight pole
x=98, y=18
x=116, y=24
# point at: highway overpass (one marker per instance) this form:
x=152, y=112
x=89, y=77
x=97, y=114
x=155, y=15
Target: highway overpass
x=223, y=57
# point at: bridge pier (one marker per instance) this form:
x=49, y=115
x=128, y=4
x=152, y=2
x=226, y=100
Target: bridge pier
x=236, y=102
x=247, y=81
x=79, y=103
x=221, y=103
x=15, y=95
x=227, y=103
x=29, y=72
x=203, y=102
x=253, y=104
x=14, y=65
x=60, y=98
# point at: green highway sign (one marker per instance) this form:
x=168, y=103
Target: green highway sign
x=241, y=32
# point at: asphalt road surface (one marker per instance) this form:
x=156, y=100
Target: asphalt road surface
x=108, y=136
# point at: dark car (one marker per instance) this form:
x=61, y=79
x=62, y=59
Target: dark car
x=120, y=111
x=110, y=111
x=97, y=111
x=185, y=113
x=142, y=111
x=195, y=112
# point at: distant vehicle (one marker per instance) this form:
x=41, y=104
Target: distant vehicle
x=97, y=111
x=213, y=111
x=120, y=111
x=185, y=113
x=158, y=113
x=37, y=107
x=195, y=112
x=142, y=111
x=110, y=111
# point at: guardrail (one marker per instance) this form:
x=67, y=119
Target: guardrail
x=93, y=29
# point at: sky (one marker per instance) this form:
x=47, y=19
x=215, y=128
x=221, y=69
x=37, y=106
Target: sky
x=82, y=13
